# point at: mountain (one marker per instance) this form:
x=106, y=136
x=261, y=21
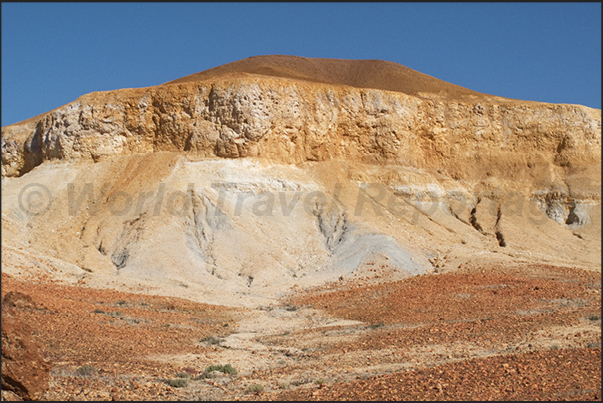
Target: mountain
x=238, y=182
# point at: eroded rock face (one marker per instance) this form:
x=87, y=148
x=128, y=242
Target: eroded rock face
x=293, y=121
x=25, y=372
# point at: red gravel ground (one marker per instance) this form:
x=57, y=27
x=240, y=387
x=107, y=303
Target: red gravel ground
x=493, y=307
x=115, y=333
x=569, y=374
x=523, y=332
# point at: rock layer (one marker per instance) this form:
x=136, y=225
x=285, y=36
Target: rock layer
x=289, y=120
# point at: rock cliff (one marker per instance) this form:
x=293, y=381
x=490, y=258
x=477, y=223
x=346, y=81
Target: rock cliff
x=292, y=120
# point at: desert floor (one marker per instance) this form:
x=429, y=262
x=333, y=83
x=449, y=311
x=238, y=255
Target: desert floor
x=479, y=332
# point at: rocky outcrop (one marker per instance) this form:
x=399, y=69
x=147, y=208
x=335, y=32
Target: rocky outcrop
x=25, y=372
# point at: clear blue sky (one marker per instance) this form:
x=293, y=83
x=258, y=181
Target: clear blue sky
x=54, y=52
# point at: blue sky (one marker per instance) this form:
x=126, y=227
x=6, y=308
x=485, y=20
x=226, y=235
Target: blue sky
x=54, y=52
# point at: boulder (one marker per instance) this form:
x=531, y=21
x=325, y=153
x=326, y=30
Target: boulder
x=25, y=372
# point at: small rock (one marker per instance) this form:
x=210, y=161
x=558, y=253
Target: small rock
x=15, y=299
